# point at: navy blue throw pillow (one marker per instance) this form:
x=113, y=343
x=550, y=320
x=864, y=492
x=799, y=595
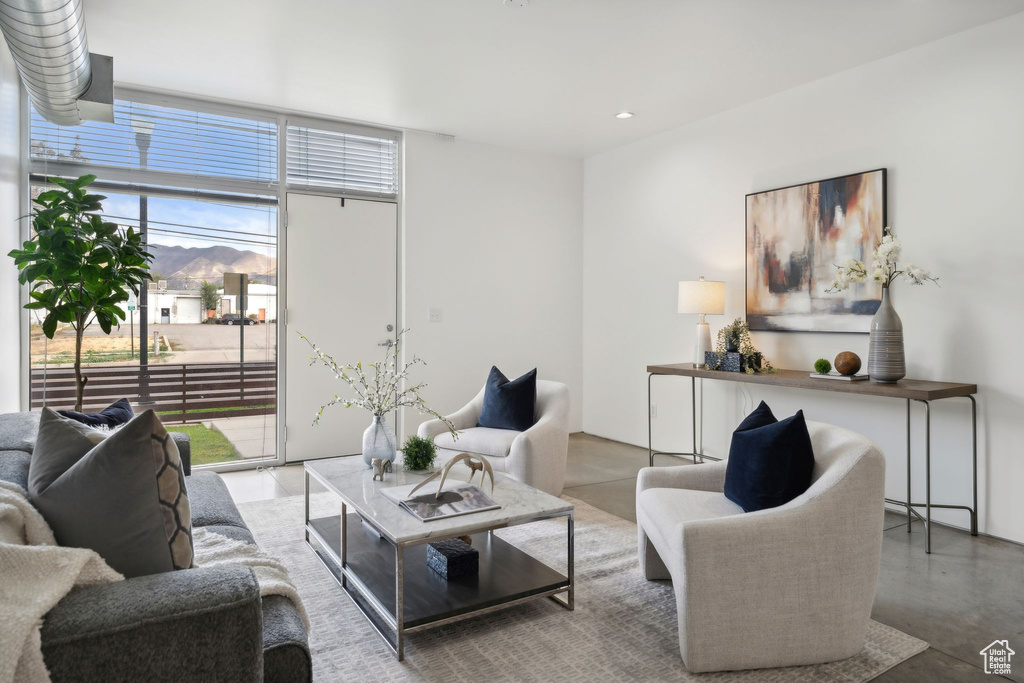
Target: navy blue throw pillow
x=770, y=461
x=117, y=413
x=509, y=404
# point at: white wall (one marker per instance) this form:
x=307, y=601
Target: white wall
x=946, y=119
x=492, y=237
x=10, y=209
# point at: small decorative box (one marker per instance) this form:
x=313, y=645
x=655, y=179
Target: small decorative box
x=734, y=361
x=453, y=558
x=731, y=362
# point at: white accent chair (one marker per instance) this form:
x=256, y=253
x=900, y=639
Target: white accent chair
x=535, y=457
x=786, y=586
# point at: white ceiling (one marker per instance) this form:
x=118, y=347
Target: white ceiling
x=549, y=76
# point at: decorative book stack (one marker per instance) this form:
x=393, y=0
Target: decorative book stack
x=841, y=378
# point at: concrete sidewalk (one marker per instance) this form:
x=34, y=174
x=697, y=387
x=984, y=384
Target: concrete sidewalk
x=253, y=436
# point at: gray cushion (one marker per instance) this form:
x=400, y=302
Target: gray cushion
x=661, y=512
x=211, y=502
x=64, y=442
x=14, y=467
x=124, y=498
x=18, y=431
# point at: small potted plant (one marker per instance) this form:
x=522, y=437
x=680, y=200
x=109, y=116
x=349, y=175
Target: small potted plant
x=418, y=454
x=735, y=351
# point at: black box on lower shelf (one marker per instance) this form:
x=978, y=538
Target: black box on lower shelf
x=453, y=558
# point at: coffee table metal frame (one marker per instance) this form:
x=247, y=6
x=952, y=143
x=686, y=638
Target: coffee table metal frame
x=349, y=577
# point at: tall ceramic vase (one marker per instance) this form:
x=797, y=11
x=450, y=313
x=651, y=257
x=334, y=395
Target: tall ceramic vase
x=378, y=441
x=886, y=361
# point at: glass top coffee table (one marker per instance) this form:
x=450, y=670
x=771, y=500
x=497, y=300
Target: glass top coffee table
x=378, y=552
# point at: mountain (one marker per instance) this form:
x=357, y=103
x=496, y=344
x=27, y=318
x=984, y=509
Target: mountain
x=187, y=267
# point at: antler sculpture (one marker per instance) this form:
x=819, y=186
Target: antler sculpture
x=481, y=466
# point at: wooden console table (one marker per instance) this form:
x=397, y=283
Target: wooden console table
x=921, y=391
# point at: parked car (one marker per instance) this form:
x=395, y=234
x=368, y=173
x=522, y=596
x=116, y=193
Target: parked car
x=235, y=319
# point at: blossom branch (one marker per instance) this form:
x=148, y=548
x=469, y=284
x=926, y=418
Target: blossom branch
x=380, y=394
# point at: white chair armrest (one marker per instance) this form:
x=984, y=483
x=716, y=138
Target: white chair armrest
x=547, y=432
x=538, y=455
x=464, y=418
x=705, y=477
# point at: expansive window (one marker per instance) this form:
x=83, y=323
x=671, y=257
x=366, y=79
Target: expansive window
x=197, y=349
x=205, y=184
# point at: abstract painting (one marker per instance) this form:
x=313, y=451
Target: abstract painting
x=795, y=237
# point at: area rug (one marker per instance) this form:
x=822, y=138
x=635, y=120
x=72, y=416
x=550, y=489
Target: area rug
x=623, y=627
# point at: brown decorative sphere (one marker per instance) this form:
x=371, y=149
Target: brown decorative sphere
x=847, y=363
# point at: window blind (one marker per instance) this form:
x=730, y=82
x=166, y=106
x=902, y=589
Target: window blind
x=163, y=146
x=352, y=161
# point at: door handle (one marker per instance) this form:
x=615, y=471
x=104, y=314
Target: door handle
x=389, y=343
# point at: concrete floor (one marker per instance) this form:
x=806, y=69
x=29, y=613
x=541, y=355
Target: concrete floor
x=966, y=594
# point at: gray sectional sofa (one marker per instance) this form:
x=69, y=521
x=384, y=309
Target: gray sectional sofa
x=188, y=625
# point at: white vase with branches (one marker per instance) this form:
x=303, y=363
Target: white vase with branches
x=379, y=388
x=886, y=356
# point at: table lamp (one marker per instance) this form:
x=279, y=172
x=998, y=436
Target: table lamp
x=704, y=298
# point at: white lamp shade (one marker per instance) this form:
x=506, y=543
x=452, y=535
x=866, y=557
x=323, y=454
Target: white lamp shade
x=702, y=297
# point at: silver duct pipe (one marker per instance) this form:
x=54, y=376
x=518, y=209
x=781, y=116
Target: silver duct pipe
x=47, y=41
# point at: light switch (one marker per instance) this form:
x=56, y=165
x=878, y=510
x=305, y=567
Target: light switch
x=435, y=315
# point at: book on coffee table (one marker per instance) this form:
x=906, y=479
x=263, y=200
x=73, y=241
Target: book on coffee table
x=841, y=378
x=457, y=498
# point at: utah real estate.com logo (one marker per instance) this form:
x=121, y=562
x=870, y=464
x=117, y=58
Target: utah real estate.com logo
x=997, y=657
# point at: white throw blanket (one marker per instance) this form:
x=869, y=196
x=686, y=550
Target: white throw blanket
x=213, y=549
x=35, y=573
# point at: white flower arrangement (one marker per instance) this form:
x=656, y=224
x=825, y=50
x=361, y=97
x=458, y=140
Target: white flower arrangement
x=884, y=268
x=382, y=393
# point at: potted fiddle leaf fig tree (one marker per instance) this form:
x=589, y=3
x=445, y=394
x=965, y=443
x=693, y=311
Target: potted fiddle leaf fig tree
x=80, y=267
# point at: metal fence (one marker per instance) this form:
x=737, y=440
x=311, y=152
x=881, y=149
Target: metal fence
x=188, y=392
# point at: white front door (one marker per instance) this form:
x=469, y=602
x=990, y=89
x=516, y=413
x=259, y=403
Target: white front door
x=342, y=294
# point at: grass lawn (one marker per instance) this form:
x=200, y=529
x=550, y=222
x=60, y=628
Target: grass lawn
x=91, y=356
x=193, y=411
x=208, y=445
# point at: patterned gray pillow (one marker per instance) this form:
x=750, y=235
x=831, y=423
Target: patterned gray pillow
x=99, y=493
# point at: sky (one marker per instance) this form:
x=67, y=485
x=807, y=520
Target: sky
x=186, y=142
x=245, y=227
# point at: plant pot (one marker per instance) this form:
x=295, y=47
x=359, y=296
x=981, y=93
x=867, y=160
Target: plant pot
x=378, y=441
x=726, y=362
x=751, y=361
x=887, y=361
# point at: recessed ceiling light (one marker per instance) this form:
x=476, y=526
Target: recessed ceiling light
x=624, y=115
